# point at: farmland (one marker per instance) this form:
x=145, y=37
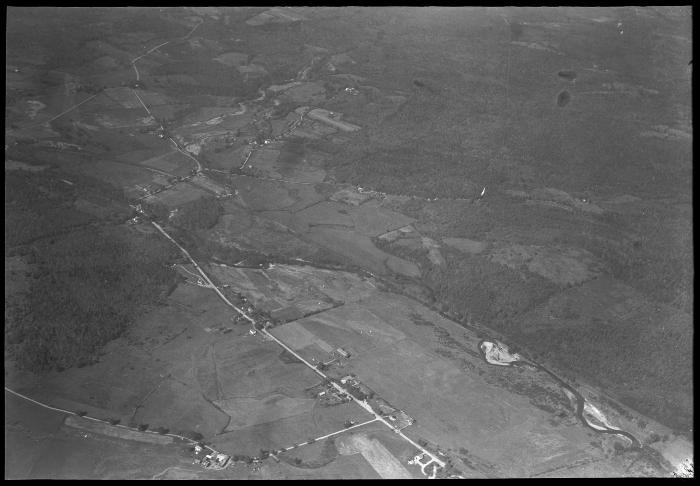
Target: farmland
x=382, y=190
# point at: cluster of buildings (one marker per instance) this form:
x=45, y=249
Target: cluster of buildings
x=210, y=459
x=371, y=193
x=398, y=418
x=261, y=318
x=328, y=395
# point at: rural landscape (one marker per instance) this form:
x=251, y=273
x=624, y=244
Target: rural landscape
x=354, y=242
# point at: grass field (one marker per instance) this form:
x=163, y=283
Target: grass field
x=40, y=446
x=341, y=467
x=578, y=252
x=179, y=195
x=434, y=373
x=238, y=228
x=305, y=288
x=113, y=431
x=172, y=162
x=361, y=251
x=374, y=452
x=245, y=412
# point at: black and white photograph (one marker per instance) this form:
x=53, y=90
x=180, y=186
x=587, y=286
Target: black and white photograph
x=285, y=242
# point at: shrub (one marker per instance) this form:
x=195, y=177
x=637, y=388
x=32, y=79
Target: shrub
x=191, y=434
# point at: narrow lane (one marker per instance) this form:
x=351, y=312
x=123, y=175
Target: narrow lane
x=337, y=386
x=337, y=432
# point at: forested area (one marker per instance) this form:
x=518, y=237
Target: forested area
x=87, y=288
x=90, y=278
x=405, y=171
x=202, y=213
x=488, y=291
x=646, y=364
x=212, y=78
x=95, y=24
x=39, y=204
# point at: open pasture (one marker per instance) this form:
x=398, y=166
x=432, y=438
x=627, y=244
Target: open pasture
x=264, y=195
x=376, y=454
x=273, y=290
x=119, y=175
x=454, y=408
x=342, y=467
x=369, y=219
x=179, y=195
x=360, y=250
x=246, y=412
x=251, y=367
x=179, y=406
x=239, y=229
x=275, y=164
x=172, y=162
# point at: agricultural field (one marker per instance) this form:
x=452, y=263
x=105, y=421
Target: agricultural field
x=386, y=200
x=45, y=447
x=285, y=289
x=388, y=336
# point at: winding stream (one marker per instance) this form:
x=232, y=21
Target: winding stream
x=580, y=400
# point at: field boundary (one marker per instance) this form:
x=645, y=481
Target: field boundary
x=119, y=431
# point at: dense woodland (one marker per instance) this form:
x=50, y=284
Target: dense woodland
x=476, y=114
x=646, y=363
x=200, y=214
x=90, y=278
x=40, y=204
x=647, y=367
x=86, y=288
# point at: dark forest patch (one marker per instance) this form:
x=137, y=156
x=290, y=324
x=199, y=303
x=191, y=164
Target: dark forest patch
x=567, y=74
x=563, y=99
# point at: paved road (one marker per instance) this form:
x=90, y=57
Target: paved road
x=142, y=103
x=337, y=432
x=133, y=61
x=336, y=385
x=86, y=417
x=204, y=275
x=361, y=403
x=184, y=152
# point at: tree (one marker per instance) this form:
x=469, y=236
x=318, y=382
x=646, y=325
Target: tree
x=618, y=447
x=191, y=434
x=202, y=213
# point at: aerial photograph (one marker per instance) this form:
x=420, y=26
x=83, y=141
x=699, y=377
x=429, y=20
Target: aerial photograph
x=286, y=242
